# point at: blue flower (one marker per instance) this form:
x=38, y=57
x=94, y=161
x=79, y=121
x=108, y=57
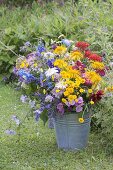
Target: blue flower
x=10, y=132
x=17, y=121
x=26, y=76
x=27, y=43
x=37, y=114
x=66, y=42
x=32, y=103
x=41, y=48
x=23, y=98
x=50, y=63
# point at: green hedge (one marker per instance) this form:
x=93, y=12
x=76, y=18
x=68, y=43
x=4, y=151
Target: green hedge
x=86, y=21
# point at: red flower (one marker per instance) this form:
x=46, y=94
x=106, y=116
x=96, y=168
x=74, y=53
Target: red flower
x=87, y=82
x=82, y=45
x=87, y=53
x=79, y=65
x=98, y=96
x=101, y=72
x=95, y=57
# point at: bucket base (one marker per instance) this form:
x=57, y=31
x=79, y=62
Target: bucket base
x=70, y=134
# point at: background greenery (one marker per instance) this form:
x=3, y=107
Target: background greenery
x=86, y=20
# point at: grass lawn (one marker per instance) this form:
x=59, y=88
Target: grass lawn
x=37, y=149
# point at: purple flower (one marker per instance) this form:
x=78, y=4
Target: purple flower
x=17, y=121
x=79, y=108
x=27, y=43
x=50, y=63
x=60, y=108
x=38, y=54
x=57, y=94
x=66, y=42
x=48, y=106
x=37, y=114
x=41, y=48
x=10, y=132
x=49, y=98
x=23, y=98
x=80, y=102
x=32, y=103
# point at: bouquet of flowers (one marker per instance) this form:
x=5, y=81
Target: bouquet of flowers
x=67, y=78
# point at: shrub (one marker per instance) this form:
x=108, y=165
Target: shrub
x=50, y=21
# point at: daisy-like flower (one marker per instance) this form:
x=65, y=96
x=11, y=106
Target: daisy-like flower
x=51, y=71
x=61, y=85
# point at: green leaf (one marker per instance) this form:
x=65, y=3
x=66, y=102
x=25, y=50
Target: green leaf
x=44, y=116
x=8, y=31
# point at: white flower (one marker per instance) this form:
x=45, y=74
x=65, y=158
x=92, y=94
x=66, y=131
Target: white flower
x=49, y=55
x=60, y=85
x=48, y=98
x=51, y=71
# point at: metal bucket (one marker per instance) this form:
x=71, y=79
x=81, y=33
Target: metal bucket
x=70, y=134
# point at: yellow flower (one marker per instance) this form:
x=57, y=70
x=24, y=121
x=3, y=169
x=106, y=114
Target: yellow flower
x=76, y=100
x=57, y=91
x=70, y=90
x=81, y=120
x=66, y=93
x=60, y=63
x=53, y=77
x=64, y=100
x=22, y=65
x=97, y=65
x=35, y=64
x=110, y=88
x=94, y=77
x=90, y=90
x=76, y=55
x=81, y=90
x=64, y=74
x=91, y=102
x=44, y=91
x=60, y=50
x=72, y=97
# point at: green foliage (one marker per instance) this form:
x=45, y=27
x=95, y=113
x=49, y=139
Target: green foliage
x=87, y=20
x=17, y=2
x=104, y=117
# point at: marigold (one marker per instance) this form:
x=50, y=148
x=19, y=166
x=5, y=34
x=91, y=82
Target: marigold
x=97, y=65
x=64, y=74
x=81, y=90
x=60, y=50
x=110, y=88
x=70, y=90
x=57, y=91
x=91, y=102
x=24, y=64
x=64, y=100
x=72, y=97
x=90, y=90
x=60, y=63
x=76, y=55
x=81, y=120
x=93, y=77
x=66, y=93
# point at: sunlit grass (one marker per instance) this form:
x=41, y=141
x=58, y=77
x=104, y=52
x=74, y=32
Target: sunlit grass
x=36, y=147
